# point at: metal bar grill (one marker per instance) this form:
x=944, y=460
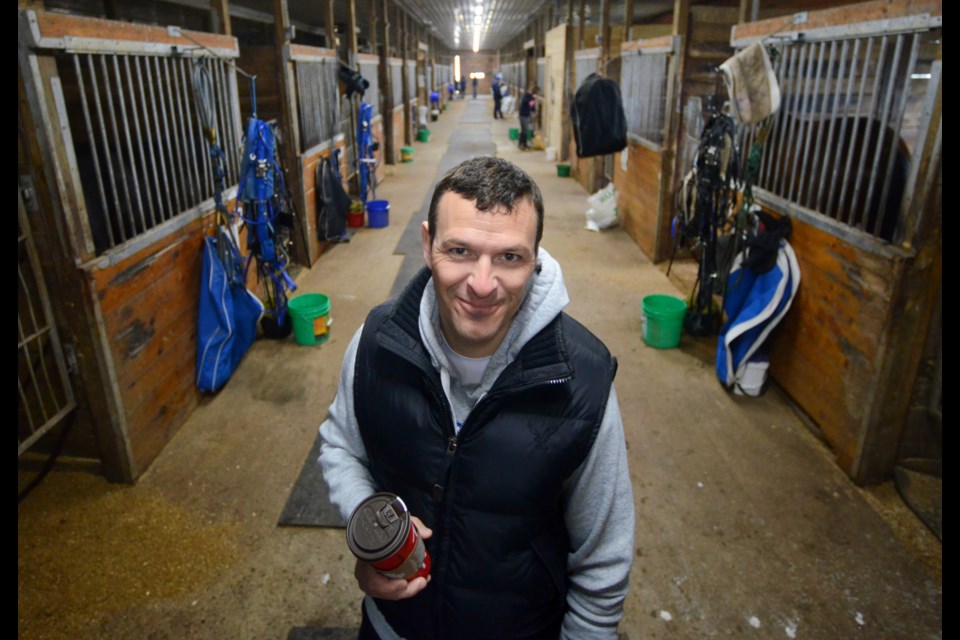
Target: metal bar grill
x=850, y=115
x=585, y=66
x=372, y=95
x=643, y=81
x=396, y=83
x=412, y=79
x=318, y=100
x=142, y=157
x=44, y=394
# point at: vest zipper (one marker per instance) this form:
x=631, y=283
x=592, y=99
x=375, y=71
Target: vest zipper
x=510, y=391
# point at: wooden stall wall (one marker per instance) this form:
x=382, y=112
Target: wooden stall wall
x=88, y=439
x=308, y=175
x=554, y=100
x=638, y=191
x=130, y=312
x=398, y=123
x=148, y=303
x=377, y=125
x=261, y=61
x=849, y=350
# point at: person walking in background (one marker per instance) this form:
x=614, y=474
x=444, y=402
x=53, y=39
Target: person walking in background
x=497, y=88
x=528, y=107
x=473, y=81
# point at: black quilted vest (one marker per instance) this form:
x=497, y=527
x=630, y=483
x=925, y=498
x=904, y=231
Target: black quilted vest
x=493, y=494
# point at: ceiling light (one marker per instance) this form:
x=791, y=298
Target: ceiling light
x=477, y=19
x=476, y=41
x=478, y=9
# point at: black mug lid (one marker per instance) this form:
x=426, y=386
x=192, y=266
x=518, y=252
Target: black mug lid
x=378, y=527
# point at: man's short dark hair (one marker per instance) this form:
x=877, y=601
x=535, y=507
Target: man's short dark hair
x=494, y=184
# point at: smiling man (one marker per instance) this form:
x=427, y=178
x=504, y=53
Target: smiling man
x=492, y=414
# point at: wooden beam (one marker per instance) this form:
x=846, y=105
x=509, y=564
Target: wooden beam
x=863, y=12
x=673, y=112
x=627, y=20
x=353, y=47
x=220, y=16
x=329, y=24
x=49, y=29
x=581, y=28
x=374, y=26
x=353, y=50
x=386, y=87
x=567, y=126
x=289, y=122
x=404, y=74
x=605, y=35
x=111, y=9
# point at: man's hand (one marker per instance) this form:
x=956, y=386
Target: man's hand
x=375, y=584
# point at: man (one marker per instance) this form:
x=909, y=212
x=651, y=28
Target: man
x=528, y=106
x=492, y=414
x=497, y=89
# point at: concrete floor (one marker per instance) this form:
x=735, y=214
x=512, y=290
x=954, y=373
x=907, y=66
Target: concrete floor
x=745, y=525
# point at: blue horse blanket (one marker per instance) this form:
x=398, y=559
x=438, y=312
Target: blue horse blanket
x=754, y=304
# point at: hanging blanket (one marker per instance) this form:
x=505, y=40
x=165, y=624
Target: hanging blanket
x=752, y=84
x=754, y=303
x=228, y=314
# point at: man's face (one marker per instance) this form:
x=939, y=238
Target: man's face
x=481, y=263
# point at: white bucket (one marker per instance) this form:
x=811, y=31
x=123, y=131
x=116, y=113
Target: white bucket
x=551, y=154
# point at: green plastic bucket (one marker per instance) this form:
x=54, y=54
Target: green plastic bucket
x=423, y=135
x=514, y=133
x=406, y=154
x=662, y=320
x=310, y=313
x=563, y=170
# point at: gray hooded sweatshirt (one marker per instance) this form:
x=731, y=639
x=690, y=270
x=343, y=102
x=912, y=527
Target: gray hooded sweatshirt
x=598, y=512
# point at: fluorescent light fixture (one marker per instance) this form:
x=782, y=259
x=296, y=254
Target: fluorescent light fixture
x=477, y=19
x=478, y=9
x=476, y=41
x=920, y=76
x=456, y=68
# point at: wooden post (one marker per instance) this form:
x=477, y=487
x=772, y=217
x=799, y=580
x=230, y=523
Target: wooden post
x=627, y=19
x=605, y=32
x=919, y=285
x=374, y=26
x=352, y=46
x=220, y=16
x=404, y=74
x=329, y=24
x=673, y=113
x=290, y=125
x=749, y=11
x=353, y=51
x=567, y=130
x=581, y=31
x=111, y=9
x=42, y=133
x=386, y=87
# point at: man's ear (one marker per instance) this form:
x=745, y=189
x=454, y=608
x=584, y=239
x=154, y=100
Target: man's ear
x=427, y=244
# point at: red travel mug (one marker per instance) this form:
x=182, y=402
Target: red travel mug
x=381, y=532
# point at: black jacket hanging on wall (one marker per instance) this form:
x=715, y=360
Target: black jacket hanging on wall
x=599, y=123
x=333, y=203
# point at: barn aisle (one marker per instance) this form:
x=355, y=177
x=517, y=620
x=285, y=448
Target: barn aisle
x=745, y=526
